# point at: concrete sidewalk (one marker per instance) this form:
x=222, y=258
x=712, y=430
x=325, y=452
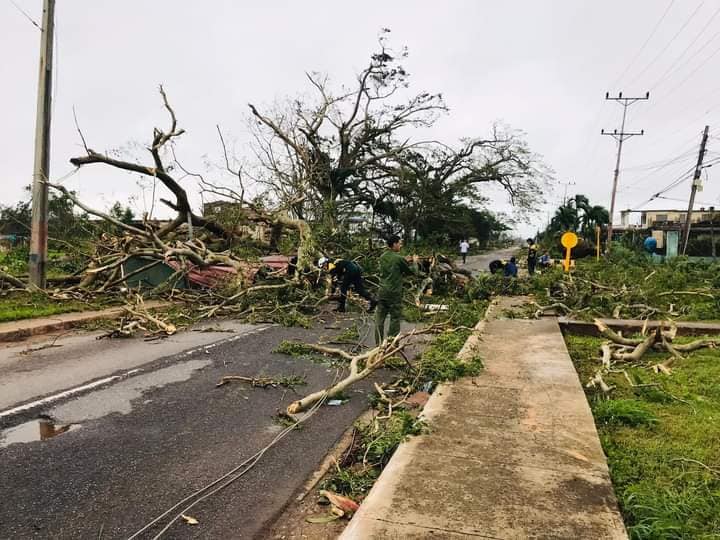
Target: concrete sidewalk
x=512, y=453
x=22, y=329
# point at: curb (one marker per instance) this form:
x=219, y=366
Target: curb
x=355, y=529
x=469, y=349
x=19, y=330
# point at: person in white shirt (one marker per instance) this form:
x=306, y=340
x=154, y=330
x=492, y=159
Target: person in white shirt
x=464, y=248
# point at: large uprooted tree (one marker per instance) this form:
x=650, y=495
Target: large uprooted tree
x=349, y=149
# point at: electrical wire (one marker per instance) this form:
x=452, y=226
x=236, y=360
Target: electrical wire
x=226, y=479
x=677, y=199
x=658, y=164
x=682, y=55
x=28, y=17
x=593, y=151
x=702, y=64
x=642, y=47
x=682, y=178
x=679, y=159
x=672, y=40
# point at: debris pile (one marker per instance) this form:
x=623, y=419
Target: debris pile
x=619, y=351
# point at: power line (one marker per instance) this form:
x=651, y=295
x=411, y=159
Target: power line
x=702, y=64
x=665, y=48
x=670, y=69
x=28, y=17
x=642, y=48
x=677, y=199
x=662, y=97
x=691, y=124
x=659, y=164
x=639, y=180
x=593, y=152
x=679, y=180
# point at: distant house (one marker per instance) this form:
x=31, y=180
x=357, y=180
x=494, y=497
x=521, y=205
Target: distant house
x=665, y=218
x=668, y=218
x=238, y=217
x=664, y=222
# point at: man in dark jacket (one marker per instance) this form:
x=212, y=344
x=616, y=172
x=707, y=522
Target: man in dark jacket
x=393, y=267
x=496, y=266
x=347, y=274
x=532, y=256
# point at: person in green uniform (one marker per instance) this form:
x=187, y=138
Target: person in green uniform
x=393, y=267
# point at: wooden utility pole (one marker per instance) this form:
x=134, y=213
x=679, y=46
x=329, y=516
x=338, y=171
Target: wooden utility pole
x=620, y=138
x=693, y=189
x=41, y=171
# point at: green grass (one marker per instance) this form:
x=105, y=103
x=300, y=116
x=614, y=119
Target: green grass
x=23, y=305
x=439, y=361
x=657, y=438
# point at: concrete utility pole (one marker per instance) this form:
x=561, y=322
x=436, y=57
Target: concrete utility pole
x=620, y=138
x=693, y=190
x=41, y=171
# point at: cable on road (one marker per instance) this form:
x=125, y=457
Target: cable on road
x=226, y=479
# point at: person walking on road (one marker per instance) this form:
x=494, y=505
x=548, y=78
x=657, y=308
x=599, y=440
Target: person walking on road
x=532, y=256
x=393, y=267
x=464, y=248
x=347, y=274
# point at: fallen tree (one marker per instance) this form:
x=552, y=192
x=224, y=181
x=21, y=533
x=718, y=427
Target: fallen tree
x=359, y=365
x=619, y=351
x=189, y=243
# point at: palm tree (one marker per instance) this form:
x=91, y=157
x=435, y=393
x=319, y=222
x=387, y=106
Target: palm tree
x=593, y=217
x=565, y=218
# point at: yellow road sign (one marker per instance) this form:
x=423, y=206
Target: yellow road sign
x=569, y=240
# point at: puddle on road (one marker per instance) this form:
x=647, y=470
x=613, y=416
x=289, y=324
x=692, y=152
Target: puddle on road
x=41, y=429
x=118, y=398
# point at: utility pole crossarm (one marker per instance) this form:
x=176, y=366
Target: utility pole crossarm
x=693, y=190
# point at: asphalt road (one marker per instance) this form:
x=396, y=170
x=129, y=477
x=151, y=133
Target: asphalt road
x=145, y=441
x=479, y=263
x=52, y=363
x=158, y=430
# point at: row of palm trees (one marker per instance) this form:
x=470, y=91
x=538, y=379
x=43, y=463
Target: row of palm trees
x=578, y=215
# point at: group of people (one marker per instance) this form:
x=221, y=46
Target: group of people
x=509, y=268
x=393, y=268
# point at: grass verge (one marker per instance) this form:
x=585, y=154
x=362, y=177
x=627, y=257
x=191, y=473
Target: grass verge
x=662, y=440
x=19, y=305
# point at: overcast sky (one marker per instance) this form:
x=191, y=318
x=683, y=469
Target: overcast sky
x=538, y=65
